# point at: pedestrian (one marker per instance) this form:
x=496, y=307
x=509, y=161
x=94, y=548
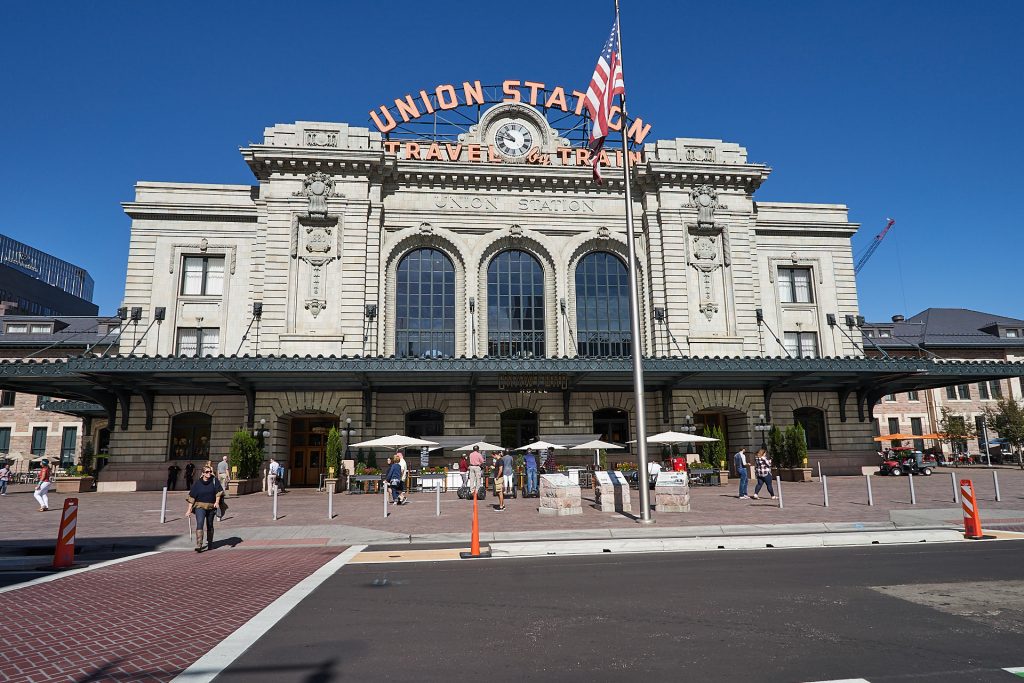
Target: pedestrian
x=763, y=470
x=653, y=468
x=405, y=470
x=281, y=478
x=499, y=484
x=508, y=471
x=222, y=474
x=476, y=463
x=204, y=500
x=393, y=478
x=271, y=476
x=43, y=486
x=530, y=460
x=172, y=476
x=740, y=460
x=190, y=475
x=464, y=469
x=5, y=477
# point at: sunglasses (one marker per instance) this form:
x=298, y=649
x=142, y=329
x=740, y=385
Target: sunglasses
x=207, y=471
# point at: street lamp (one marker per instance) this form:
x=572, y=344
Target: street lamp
x=348, y=434
x=689, y=428
x=762, y=426
x=261, y=433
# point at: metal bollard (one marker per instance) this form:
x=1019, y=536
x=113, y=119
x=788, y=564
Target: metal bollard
x=384, y=488
x=275, y=503
x=913, y=496
x=956, y=490
x=438, y=485
x=995, y=482
x=867, y=480
x=163, y=506
x=819, y=470
x=330, y=501
x=824, y=486
x=778, y=485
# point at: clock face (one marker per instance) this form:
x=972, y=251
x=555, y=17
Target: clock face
x=513, y=139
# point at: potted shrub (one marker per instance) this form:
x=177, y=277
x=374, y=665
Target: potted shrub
x=245, y=457
x=75, y=480
x=777, y=449
x=796, y=454
x=714, y=452
x=333, y=460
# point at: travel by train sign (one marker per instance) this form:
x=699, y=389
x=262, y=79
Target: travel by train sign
x=447, y=123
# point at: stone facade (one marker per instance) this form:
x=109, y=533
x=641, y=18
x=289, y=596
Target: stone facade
x=318, y=239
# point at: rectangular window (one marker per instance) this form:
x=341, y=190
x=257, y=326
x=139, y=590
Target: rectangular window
x=202, y=276
x=801, y=344
x=869, y=333
x=7, y=399
x=964, y=391
x=951, y=393
x=39, y=441
x=912, y=396
x=894, y=428
x=17, y=328
x=983, y=391
x=891, y=398
x=885, y=334
x=5, y=439
x=68, y=442
x=795, y=286
x=40, y=329
x=1011, y=333
x=198, y=341
x=995, y=388
x=40, y=400
x=916, y=427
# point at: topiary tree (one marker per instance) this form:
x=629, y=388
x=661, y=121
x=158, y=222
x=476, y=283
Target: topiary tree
x=371, y=459
x=791, y=448
x=716, y=453
x=800, y=455
x=333, y=457
x=777, y=446
x=245, y=454
x=707, y=449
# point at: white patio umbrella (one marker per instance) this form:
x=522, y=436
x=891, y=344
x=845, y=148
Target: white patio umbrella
x=671, y=438
x=482, y=445
x=597, y=445
x=540, y=445
x=395, y=441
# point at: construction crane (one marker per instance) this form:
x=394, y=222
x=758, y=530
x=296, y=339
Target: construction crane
x=862, y=261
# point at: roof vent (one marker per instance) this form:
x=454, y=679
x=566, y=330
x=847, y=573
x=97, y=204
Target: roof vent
x=898, y=318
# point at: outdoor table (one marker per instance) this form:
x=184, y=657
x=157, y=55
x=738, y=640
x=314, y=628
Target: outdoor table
x=435, y=479
x=361, y=480
x=703, y=478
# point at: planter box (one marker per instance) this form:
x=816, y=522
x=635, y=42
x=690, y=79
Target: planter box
x=73, y=484
x=723, y=477
x=241, y=487
x=798, y=474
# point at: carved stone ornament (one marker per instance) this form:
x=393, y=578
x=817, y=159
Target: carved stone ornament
x=426, y=228
x=314, y=306
x=515, y=230
x=603, y=232
x=316, y=188
x=705, y=198
x=318, y=240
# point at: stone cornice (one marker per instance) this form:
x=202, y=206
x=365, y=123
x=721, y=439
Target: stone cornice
x=186, y=212
x=745, y=177
x=265, y=160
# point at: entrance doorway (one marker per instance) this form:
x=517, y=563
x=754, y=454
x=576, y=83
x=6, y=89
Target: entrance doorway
x=308, y=448
x=518, y=428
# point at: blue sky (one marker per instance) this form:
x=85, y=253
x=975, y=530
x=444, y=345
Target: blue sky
x=902, y=109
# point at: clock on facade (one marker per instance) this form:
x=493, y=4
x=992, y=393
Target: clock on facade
x=513, y=139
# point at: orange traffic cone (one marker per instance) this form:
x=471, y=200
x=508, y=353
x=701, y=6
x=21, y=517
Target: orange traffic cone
x=972, y=518
x=474, y=546
x=64, y=555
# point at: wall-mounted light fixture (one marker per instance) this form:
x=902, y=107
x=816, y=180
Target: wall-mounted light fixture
x=159, y=313
x=370, y=311
x=257, y=309
x=659, y=314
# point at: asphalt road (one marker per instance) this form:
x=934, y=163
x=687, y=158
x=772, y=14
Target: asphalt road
x=877, y=613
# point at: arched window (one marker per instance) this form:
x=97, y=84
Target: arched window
x=515, y=306
x=518, y=427
x=419, y=423
x=190, y=436
x=813, y=422
x=602, y=306
x=425, y=305
x=612, y=424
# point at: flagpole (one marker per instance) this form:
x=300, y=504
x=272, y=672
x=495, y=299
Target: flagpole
x=634, y=311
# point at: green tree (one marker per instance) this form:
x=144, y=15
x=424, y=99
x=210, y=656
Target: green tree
x=245, y=454
x=800, y=458
x=955, y=431
x=1007, y=418
x=777, y=446
x=371, y=459
x=333, y=456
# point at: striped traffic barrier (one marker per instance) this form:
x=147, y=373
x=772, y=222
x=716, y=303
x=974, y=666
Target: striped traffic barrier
x=972, y=520
x=64, y=555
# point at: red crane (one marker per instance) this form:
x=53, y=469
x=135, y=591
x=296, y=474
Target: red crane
x=862, y=261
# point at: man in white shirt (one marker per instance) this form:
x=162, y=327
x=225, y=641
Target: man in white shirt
x=222, y=474
x=653, y=467
x=271, y=476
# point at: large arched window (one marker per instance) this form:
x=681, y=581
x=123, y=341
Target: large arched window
x=602, y=306
x=425, y=305
x=420, y=423
x=515, y=305
x=190, y=436
x=612, y=425
x=813, y=422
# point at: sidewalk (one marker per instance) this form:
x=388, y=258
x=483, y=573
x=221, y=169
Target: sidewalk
x=115, y=523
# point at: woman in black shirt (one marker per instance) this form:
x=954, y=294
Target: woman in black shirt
x=204, y=499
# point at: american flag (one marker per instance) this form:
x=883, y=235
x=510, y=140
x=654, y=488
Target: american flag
x=605, y=84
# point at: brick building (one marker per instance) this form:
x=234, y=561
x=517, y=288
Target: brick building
x=948, y=333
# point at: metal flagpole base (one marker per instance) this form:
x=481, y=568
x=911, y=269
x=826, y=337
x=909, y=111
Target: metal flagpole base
x=641, y=520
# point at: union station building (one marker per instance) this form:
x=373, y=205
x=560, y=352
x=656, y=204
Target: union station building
x=472, y=285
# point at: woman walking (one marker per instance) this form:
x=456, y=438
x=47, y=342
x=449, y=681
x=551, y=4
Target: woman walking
x=763, y=471
x=203, y=500
x=394, y=479
x=43, y=487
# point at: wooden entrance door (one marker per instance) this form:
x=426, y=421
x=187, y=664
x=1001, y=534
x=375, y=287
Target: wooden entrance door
x=308, y=449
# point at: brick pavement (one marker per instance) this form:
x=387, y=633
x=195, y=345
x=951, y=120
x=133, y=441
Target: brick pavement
x=134, y=517
x=146, y=619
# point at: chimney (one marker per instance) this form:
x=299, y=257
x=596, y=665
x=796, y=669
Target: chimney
x=898, y=318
